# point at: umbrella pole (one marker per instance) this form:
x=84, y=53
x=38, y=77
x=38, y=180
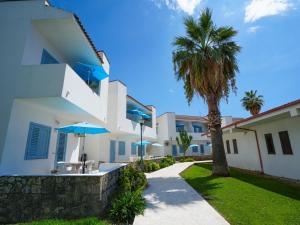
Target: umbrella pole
x=142, y=152
x=84, y=158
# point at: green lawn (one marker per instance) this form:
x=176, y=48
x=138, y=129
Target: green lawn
x=247, y=199
x=86, y=221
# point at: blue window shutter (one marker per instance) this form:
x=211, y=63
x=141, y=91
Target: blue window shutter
x=61, y=146
x=195, y=148
x=181, y=149
x=38, y=139
x=121, y=148
x=133, y=149
x=202, y=149
x=47, y=58
x=174, y=150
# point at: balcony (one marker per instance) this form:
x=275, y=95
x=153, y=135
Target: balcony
x=195, y=129
x=59, y=88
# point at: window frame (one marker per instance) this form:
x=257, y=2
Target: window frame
x=286, y=147
x=121, y=143
x=28, y=148
x=271, y=145
x=228, y=149
x=235, y=147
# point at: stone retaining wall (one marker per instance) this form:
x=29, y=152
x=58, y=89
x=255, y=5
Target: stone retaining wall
x=28, y=198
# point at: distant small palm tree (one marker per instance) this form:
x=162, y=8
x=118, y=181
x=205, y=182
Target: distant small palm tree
x=184, y=141
x=251, y=102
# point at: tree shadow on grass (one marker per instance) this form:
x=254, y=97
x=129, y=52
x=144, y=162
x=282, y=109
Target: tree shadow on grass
x=268, y=183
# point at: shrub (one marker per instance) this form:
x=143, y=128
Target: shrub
x=126, y=207
x=170, y=159
x=167, y=161
x=188, y=159
x=163, y=164
x=154, y=166
x=150, y=166
x=132, y=179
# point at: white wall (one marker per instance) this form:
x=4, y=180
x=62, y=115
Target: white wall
x=21, y=44
x=277, y=165
x=280, y=164
x=247, y=157
x=117, y=109
x=167, y=133
x=14, y=149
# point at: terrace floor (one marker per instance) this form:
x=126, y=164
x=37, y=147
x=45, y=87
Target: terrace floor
x=170, y=200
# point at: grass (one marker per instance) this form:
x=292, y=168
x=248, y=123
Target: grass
x=85, y=221
x=247, y=199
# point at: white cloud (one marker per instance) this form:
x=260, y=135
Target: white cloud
x=257, y=9
x=188, y=6
x=253, y=29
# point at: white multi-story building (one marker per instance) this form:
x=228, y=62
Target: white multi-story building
x=268, y=142
x=122, y=142
x=168, y=127
x=40, y=90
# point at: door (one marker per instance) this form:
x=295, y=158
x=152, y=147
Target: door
x=61, y=146
x=174, y=150
x=202, y=149
x=112, y=151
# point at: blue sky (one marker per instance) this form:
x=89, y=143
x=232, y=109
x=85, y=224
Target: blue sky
x=137, y=35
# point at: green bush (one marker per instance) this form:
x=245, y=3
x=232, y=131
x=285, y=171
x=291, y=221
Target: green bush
x=155, y=166
x=188, y=159
x=126, y=207
x=150, y=166
x=132, y=179
x=171, y=159
x=167, y=161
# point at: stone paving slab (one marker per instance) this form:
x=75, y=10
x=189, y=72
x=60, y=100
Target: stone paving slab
x=171, y=201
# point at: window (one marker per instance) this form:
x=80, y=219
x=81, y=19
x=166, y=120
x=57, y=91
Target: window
x=228, y=147
x=133, y=149
x=235, y=148
x=181, y=149
x=179, y=128
x=121, y=148
x=202, y=149
x=174, y=150
x=195, y=149
x=197, y=129
x=47, y=58
x=38, y=139
x=270, y=144
x=285, y=143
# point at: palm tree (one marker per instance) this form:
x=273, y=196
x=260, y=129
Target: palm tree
x=205, y=60
x=251, y=102
x=184, y=141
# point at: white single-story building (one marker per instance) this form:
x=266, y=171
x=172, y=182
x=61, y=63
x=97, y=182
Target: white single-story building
x=268, y=142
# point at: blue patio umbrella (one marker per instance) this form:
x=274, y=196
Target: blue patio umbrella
x=90, y=72
x=157, y=145
x=193, y=145
x=143, y=143
x=83, y=128
x=138, y=112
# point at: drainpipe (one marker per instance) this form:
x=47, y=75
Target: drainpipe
x=258, y=147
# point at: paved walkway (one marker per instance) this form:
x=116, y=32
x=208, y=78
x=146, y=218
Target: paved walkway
x=170, y=200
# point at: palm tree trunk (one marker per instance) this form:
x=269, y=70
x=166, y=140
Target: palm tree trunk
x=220, y=166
